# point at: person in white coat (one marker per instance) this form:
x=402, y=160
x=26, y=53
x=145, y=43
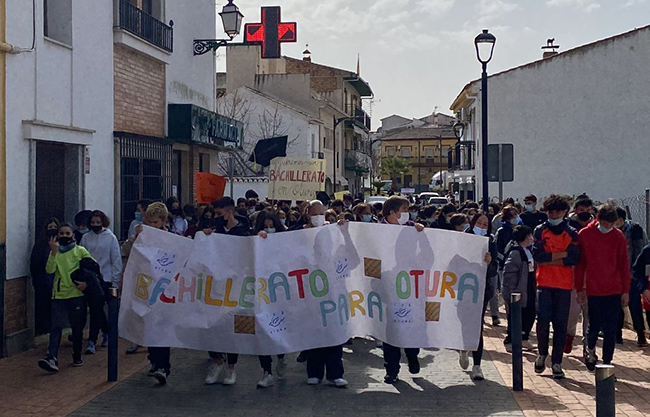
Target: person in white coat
x=105, y=249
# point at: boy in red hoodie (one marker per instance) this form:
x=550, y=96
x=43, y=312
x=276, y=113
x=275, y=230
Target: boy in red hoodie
x=604, y=271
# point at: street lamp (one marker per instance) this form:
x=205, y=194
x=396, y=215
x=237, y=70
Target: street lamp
x=231, y=19
x=459, y=130
x=484, y=43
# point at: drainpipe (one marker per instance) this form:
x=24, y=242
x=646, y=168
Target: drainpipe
x=4, y=48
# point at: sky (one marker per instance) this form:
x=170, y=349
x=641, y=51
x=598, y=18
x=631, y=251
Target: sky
x=417, y=55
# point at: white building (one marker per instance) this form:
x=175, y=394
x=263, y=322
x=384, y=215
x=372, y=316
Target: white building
x=576, y=120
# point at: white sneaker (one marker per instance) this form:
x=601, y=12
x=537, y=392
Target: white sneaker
x=313, y=381
x=266, y=381
x=231, y=377
x=477, y=373
x=338, y=382
x=214, y=372
x=463, y=359
x=280, y=367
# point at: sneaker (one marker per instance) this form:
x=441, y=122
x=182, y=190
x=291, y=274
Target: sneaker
x=214, y=372
x=90, y=349
x=338, y=382
x=266, y=381
x=590, y=359
x=477, y=373
x=231, y=377
x=280, y=367
x=540, y=364
x=104, y=340
x=313, y=381
x=463, y=359
x=152, y=370
x=390, y=379
x=161, y=376
x=77, y=362
x=496, y=321
x=558, y=373
x=641, y=341
x=414, y=366
x=302, y=357
x=49, y=364
x=568, y=344
x=527, y=345
x=133, y=348
x=508, y=347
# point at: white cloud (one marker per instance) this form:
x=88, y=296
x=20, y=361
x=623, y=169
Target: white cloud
x=434, y=8
x=586, y=5
x=492, y=10
x=631, y=3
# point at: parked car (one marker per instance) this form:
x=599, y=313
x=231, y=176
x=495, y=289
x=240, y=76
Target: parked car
x=376, y=199
x=437, y=201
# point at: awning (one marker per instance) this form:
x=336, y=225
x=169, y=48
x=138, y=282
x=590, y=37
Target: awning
x=360, y=85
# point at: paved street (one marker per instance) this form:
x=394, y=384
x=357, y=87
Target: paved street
x=441, y=389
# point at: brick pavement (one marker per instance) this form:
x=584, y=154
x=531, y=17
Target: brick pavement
x=27, y=390
x=441, y=389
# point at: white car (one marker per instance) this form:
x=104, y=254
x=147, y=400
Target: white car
x=427, y=195
x=376, y=199
x=437, y=201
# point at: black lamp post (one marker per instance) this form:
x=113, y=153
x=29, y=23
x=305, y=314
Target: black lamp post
x=231, y=18
x=484, y=43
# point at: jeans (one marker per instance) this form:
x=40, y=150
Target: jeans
x=159, y=358
x=266, y=363
x=574, y=316
x=392, y=356
x=529, y=313
x=74, y=310
x=494, y=301
x=553, y=307
x=98, y=320
x=232, y=357
x=603, y=315
x=477, y=355
x=636, y=311
x=328, y=359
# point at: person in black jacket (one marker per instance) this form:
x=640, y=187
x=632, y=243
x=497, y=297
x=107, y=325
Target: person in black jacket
x=532, y=217
x=41, y=280
x=480, y=226
x=227, y=222
x=509, y=219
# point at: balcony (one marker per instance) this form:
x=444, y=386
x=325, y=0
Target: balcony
x=428, y=162
x=145, y=26
x=357, y=161
x=462, y=156
x=360, y=118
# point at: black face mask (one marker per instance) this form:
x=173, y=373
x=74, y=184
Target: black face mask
x=52, y=233
x=65, y=241
x=96, y=229
x=583, y=217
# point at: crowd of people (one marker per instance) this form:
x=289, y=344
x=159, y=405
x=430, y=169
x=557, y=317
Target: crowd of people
x=568, y=259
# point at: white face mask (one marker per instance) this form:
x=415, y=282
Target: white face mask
x=318, y=220
x=404, y=218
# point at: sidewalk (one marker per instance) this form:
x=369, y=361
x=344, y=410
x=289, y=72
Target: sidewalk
x=27, y=390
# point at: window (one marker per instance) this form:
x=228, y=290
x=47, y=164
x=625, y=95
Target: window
x=406, y=151
x=429, y=151
x=204, y=162
x=57, y=20
x=327, y=139
x=390, y=151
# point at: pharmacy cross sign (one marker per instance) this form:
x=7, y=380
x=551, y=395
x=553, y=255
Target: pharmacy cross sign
x=271, y=33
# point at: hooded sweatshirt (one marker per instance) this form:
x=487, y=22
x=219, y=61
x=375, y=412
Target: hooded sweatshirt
x=603, y=268
x=105, y=249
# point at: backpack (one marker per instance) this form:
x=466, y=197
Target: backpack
x=90, y=273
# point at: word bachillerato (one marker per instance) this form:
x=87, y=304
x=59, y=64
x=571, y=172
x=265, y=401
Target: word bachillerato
x=305, y=289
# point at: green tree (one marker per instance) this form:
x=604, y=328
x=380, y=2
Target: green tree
x=394, y=167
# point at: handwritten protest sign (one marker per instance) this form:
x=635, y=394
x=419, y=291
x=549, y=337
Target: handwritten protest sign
x=296, y=178
x=209, y=187
x=305, y=289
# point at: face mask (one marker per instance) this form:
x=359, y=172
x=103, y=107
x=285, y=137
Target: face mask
x=604, y=230
x=318, y=220
x=84, y=231
x=465, y=227
x=52, y=232
x=270, y=230
x=283, y=221
x=448, y=218
x=348, y=206
x=530, y=207
x=430, y=220
x=555, y=222
x=584, y=217
x=96, y=229
x=65, y=241
x=413, y=215
x=251, y=211
x=480, y=232
x=514, y=221
x=367, y=218
x=138, y=216
x=403, y=218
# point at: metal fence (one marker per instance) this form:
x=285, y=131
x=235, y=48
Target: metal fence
x=638, y=209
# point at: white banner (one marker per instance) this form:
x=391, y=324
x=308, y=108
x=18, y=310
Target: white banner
x=296, y=178
x=305, y=289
